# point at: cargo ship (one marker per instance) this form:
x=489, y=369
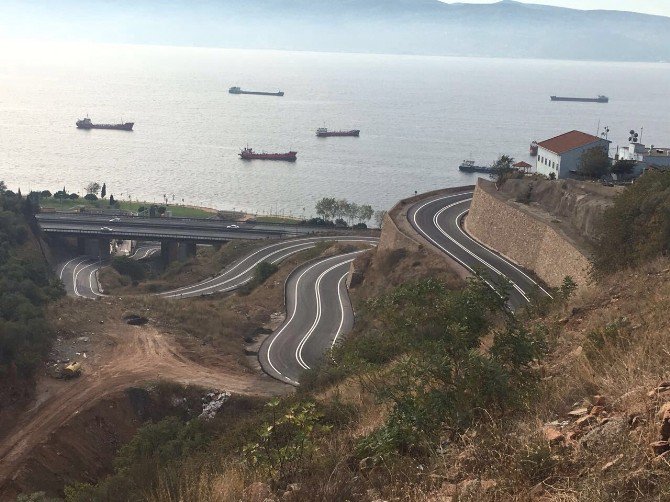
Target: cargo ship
x=87, y=124
x=468, y=166
x=237, y=90
x=599, y=99
x=249, y=154
x=322, y=132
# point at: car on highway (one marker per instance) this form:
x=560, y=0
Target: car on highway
x=114, y=220
x=232, y=226
x=105, y=229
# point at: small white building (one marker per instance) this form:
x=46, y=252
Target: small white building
x=561, y=154
x=646, y=158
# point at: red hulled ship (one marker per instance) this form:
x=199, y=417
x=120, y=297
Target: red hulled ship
x=322, y=132
x=249, y=154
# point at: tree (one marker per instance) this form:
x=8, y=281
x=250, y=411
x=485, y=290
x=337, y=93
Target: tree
x=379, y=217
x=623, y=168
x=326, y=208
x=594, y=162
x=93, y=187
x=73, y=196
x=501, y=168
x=103, y=192
x=90, y=196
x=111, y=200
x=3, y=186
x=365, y=212
x=45, y=194
x=342, y=208
x=353, y=211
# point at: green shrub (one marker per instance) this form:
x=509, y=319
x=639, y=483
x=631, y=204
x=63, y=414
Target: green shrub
x=262, y=272
x=636, y=228
x=442, y=378
x=127, y=266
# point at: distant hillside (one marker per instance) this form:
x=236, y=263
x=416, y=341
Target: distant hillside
x=503, y=29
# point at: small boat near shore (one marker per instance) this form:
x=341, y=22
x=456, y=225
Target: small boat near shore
x=249, y=154
x=322, y=132
x=87, y=124
x=468, y=166
x=237, y=90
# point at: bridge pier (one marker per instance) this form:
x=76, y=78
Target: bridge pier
x=169, y=251
x=187, y=250
x=97, y=247
x=177, y=250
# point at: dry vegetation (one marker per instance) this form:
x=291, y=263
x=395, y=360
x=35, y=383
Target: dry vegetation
x=209, y=261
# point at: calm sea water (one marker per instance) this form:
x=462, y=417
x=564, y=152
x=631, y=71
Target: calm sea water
x=419, y=118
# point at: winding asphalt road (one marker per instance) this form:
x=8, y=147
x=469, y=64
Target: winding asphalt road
x=80, y=274
x=318, y=313
x=241, y=271
x=439, y=218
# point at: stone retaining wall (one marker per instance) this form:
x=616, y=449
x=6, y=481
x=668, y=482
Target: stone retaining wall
x=526, y=236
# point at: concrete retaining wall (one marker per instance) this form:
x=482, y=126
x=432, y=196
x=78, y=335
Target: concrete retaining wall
x=526, y=236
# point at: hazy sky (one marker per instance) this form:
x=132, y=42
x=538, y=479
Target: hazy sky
x=660, y=7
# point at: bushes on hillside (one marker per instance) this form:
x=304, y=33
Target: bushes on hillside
x=441, y=378
x=127, y=266
x=262, y=272
x=26, y=285
x=636, y=227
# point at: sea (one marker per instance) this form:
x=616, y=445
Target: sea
x=419, y=117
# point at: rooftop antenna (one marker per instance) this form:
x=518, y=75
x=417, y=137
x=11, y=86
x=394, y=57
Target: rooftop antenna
x=605, y=133
x=598, y=130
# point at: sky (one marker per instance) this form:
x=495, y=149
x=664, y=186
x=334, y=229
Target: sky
x=659, y=7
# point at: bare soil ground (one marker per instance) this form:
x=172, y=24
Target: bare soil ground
x=119, y=356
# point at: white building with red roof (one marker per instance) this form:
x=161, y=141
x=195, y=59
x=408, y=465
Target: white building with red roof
x=561, y=154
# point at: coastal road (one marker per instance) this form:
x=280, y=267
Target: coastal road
x=242, y=271
x=188, y=229
x=438, y=219
x=318, y=314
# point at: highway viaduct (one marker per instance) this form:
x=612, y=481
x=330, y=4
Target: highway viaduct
x=178, y=236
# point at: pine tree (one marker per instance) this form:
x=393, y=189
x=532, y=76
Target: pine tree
x=111, y=199
x=103, y=192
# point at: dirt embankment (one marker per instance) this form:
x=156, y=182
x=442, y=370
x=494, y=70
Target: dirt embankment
x=575, y=206
x=120, y=356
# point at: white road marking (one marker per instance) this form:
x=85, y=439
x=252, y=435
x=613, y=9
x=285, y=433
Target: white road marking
x=292, y=316
x=317, y=317
x=305, y=244
x=66, y=264
x=75, y=274
x=458, y=218
x=475, y=256
x=339, y=294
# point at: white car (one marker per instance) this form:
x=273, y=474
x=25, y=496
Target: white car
x=114, y=220
x=232, y=226
x=105, y=229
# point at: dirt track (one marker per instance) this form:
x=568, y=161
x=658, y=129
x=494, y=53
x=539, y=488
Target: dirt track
x=127, y=356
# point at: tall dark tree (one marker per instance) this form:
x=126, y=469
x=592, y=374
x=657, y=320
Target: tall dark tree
x=103, y=192
x=594, y=163
x=111, y=200
x=501, y=168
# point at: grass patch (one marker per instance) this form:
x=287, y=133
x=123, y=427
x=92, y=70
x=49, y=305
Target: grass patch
x=69, y=204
